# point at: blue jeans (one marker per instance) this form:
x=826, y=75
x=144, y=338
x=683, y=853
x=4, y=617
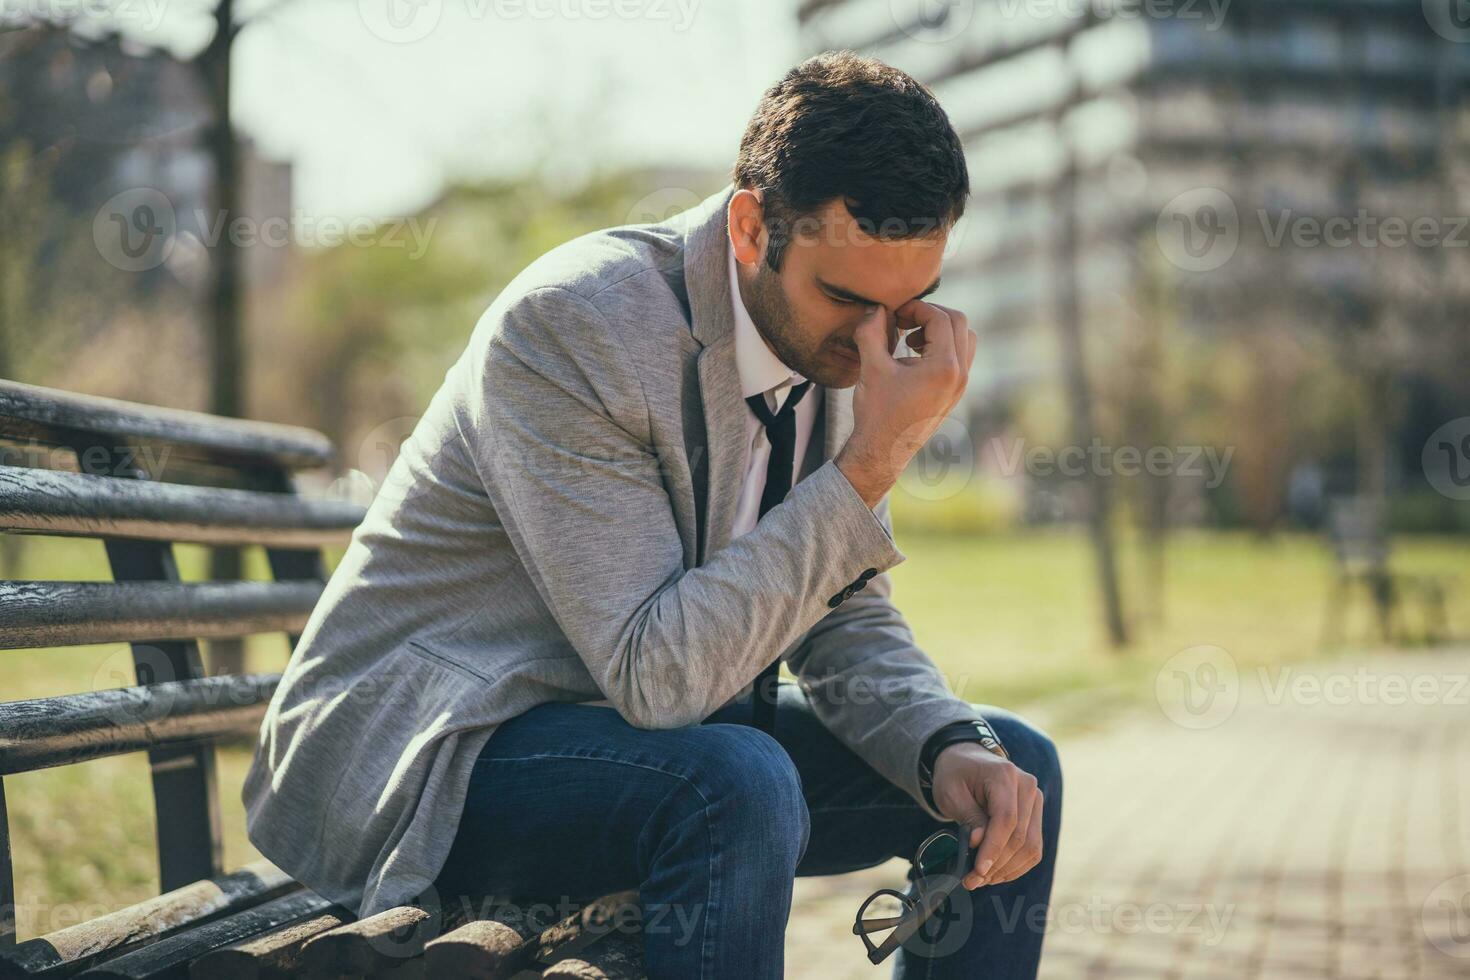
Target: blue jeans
x=710, y=823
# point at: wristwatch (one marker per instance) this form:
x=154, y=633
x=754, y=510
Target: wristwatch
x=977, y=730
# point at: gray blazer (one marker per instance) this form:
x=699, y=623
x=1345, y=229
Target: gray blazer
x=557, y=528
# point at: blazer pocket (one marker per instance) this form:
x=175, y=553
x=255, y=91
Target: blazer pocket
x=419, y=648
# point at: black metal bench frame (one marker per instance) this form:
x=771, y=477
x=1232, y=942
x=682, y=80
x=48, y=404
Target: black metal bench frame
x=141, y=478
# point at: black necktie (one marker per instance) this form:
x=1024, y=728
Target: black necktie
x=781, y=431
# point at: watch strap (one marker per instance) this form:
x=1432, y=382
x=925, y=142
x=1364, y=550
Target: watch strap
x=973, y=730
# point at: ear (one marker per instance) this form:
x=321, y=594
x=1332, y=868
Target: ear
x=747, y=226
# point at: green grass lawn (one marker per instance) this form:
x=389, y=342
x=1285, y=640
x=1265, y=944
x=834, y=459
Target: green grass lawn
x=1011, y=618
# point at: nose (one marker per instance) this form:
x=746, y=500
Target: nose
x=890, y=326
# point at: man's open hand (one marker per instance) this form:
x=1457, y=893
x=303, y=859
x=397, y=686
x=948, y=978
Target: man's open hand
x=980, y=789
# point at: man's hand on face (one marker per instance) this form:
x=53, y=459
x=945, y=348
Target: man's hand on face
x=898, y=404
x=977, y=788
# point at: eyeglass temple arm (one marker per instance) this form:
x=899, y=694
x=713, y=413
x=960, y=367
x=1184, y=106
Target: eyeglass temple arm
x=908, y=924
x=915, y=915
x=865, y=926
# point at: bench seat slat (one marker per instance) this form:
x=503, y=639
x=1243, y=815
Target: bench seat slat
x=30, y=410
x=79, y=946
x=44, y=732
x=371, y=945
x=44, y=614
x=170, y=957
x=613, y=956
x=38, y=501
x=274, y=954
x=514, y=937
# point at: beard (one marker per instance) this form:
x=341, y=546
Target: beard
x=779, y=324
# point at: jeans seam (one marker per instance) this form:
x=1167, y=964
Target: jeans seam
x=601, y=758
x=706, y=945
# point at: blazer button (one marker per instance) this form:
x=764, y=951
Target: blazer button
x=868, y=573
x=859, y=584
x=835, y=601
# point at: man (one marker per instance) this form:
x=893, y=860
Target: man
x=661, y=464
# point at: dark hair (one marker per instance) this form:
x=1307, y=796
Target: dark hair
x=843, y=125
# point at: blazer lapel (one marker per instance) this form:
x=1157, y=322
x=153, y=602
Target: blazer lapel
x=723, y=408
x=724, y=426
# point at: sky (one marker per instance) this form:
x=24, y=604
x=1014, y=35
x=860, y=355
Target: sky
x=378, y=102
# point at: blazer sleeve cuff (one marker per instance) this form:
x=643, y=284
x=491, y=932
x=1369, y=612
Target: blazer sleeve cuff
x=869, y=533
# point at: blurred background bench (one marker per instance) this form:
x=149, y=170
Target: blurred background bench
x=1362, y=552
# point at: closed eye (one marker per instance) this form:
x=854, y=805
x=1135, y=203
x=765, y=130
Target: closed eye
x=852, y=302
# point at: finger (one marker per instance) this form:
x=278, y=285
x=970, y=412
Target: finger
x=971, y=878
x=961, y=338
x=998, y=829
x=904, y=315
x=871, y=337
x=1030, y=853
x=1025, y=800
x=938, y=331
x=958, y=322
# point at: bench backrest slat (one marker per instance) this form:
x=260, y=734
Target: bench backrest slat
x=42, y=733
x=140, y=479
x=47, y=414
x=78, y=504
x=54, y=614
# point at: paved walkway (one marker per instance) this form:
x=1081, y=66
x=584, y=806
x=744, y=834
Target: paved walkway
x=1311, y=822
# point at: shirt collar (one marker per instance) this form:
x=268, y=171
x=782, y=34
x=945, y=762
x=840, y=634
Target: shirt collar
x=759, y=367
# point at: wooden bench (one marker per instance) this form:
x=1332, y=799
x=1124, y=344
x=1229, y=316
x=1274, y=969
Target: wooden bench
x=1357, y=530
x=141, y=478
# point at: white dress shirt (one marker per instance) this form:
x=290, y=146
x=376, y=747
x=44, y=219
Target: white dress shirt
x=762, y=371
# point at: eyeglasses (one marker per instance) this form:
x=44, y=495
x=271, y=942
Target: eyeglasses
x=940, y=864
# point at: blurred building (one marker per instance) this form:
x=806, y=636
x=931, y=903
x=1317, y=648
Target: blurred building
x=1205, y=167
x=103, y=116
